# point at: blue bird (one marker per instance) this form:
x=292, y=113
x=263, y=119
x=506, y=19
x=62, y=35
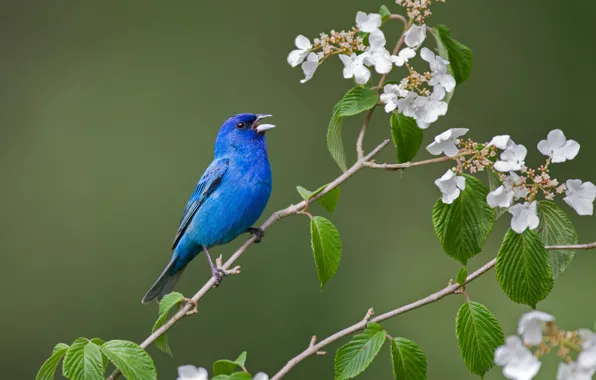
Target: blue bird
x=229, y=198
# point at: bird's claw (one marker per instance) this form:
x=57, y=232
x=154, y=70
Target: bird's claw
x=219, y=272
x=195, y=305
x=257, y=232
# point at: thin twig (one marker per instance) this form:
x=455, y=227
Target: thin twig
x=434, y=297
x=407, y=165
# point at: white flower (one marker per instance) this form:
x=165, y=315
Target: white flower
x=530, y=326
x=260, y=376
x=558, y=147
x=451, y=186
x=574, y=371
x=377, y=55
x=428, y=109
x=297, y=56
x=511, y=182
x=447, y=142
x=517, y=361
x=309, y=67
x=403, y=56
x=440, y=73
x=500, y=197
x=368, y=23
x=587, y=358
x=512, y=159
x=354, y=68
x=502, y=142
x=524, y=216
x=190, y=372
x=390, y=95
x=415, y=36
x=581, y=196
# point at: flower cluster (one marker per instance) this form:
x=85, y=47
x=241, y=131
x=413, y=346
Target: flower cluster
x=417, y=9
x=537, y=329
x=523, y=187
x=190, y=372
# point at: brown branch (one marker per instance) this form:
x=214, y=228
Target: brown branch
x=434, y=297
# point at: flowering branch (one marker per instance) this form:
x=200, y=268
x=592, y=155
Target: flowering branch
x=434, y=297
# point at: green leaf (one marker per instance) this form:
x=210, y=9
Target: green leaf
x=355, y=101
x=462, y=275
x=48, y=369
x=409, y=362
x=494, y=181
x=134, y=362
x=327, y=201
x=407, y=137
x=556, y=229
x=234, y=376
x=384, y=12
x=523, y=268
x=83, y=361
x=458, y=54
x=165, y=305
x=326, y=247
x=478, y=336
x=241, y=359
x=227, y=367
x=463, y=226
x=354, y=357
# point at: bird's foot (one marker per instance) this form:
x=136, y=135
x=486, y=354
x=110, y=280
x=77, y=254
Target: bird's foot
x=195, y=305
x=258, y=232
x=219, y=272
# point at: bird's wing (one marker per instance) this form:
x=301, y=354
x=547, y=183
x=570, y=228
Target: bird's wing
x=207, y=184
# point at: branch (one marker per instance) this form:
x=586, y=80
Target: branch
x=434, y=297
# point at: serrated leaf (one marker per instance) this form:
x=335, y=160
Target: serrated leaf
x=463, y=226
x=462, y=275
x=100, y=343
x=494, y=182
x=409, y=362
x=523, y=268
x=556, y=229
x=458, y=54
x=83, y=361
x=326, y=247
x=407, y=137
x=384, y=12
x=134, y=362
x=234, y=376
x=478, y=336
x=327, y=201
x=354, y=357
x=165, y=305
x=48, y=369
x=355, y=101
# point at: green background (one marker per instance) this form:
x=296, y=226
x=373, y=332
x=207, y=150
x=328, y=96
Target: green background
x=108, y=116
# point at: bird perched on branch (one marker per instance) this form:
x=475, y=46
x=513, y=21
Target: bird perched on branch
x=229, y=198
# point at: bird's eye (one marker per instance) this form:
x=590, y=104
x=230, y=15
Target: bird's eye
x=241, y=125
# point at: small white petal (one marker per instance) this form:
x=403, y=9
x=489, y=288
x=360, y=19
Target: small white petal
x=450, y=186
x=524, y=216
x=260, y=376
x=376, y=39
x=502, y=142
x=531, y=324
x=368, y=23
x=190, y=372
x=517, y=361
x=500, y=197
x=415, y=36
x=303, y=43
x=309, y=67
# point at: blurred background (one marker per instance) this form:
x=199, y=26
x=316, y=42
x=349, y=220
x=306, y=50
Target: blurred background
x=108, y=116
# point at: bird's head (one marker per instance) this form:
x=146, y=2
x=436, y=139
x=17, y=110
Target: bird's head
x=242, y=133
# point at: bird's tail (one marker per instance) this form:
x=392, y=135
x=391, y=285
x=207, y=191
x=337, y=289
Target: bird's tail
x=165, y=283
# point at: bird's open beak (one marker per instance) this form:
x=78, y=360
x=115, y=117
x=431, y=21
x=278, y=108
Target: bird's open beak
x=261, y=128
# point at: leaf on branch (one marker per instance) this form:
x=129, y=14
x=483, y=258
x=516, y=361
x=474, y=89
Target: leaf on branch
x=462, y=275
x=478, y=336
x=165, y=305
x=523, y=268
x=326, y=246
x=355, y=101
x=556, y=229
x=463, y=226
x=327, y=201
x=48, y=369
x=409, y=362
x=458, y=54
x=134, y=362
x=407, y=137
x=227, y=367
x=83, y=361
x=384, y=12
x=354, y=357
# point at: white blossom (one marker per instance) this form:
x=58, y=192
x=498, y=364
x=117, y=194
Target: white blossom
x=581, y=196
x=447, y=142
x=368, y=23
x=450, y=186
x=587, y=358
x=377, y=55
x=517, y=361
x=531, y=324
x=558, y=147
x=391, y=94
x=524, y=216
x=297, y=56
x=500, y=197
x=354, y=68
x=502, y=142
x=574, y=371
x=309, y=67
x=512, y=159
x=260, y=376
x=428, y=109
x=439, y=72
x=415, y=36
x=403, y=56
x=190, y=372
